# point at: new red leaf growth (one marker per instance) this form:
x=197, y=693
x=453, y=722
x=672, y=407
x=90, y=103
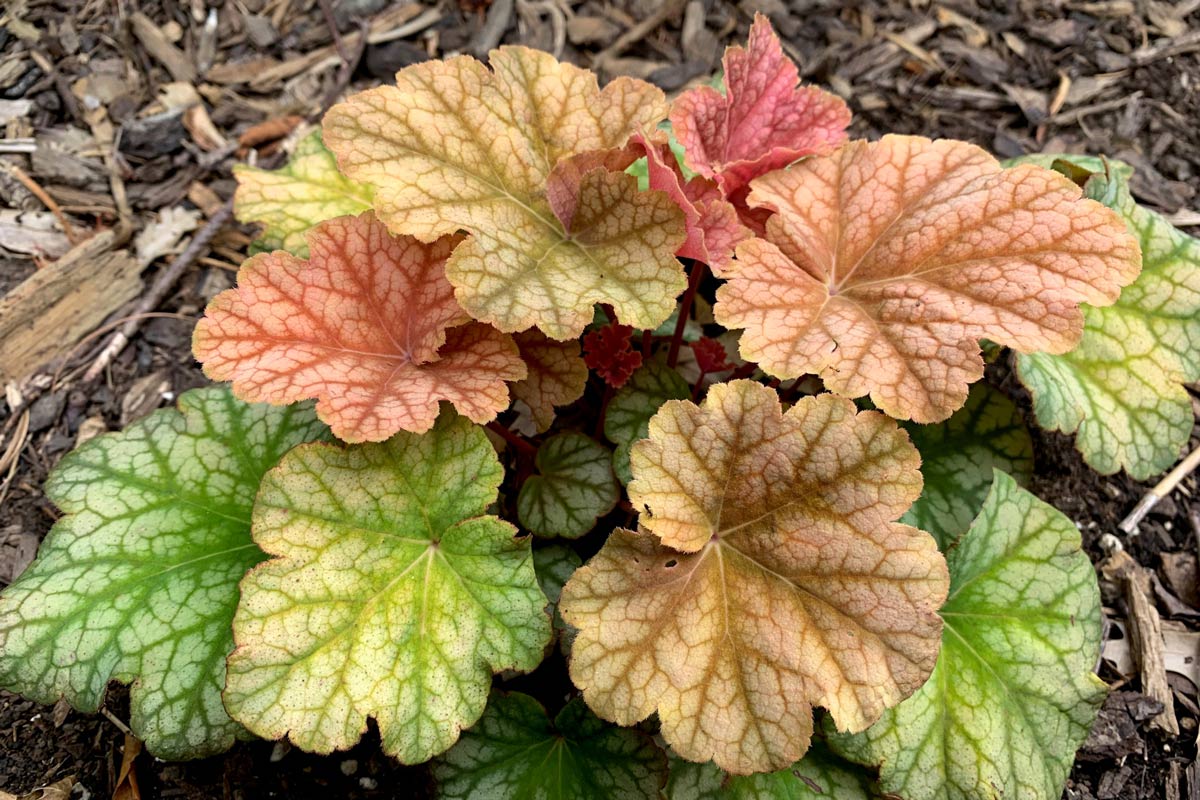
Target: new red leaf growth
x=607, y=351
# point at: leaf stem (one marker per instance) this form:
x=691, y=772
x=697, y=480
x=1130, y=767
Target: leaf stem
x=744, y=371
x=685, y=310
x=519, y=443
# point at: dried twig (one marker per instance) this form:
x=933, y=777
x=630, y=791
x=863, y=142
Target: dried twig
x=666, y=10
x=48, y=201
x=1160, y=490
x=159, y=289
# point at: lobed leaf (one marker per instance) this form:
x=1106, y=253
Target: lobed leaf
x=762, y=122
x=390, y=595
x=627, y=418
x=517, y=753
x=368, y=326
x=820, y=775
x=886, y=262
x=1013, y=694
x=453, y=146
x=958, y=457
x=557, y=375
x=574, y=487
x=770, y=577
x=288, y=201
x=137, y=582
x=1120, y=391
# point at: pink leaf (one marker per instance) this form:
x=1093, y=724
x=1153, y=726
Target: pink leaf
x=713, y=228
x=765, y=122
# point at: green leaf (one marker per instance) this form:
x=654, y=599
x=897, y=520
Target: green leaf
x=628, y=416
x=957, y=459
x=575, y=487
x=1120, y=391
x=391, y=595
x=517, y=753
x=138, y=581
x=820, y=775
x=555, y=563
x=1013, y=693
x=288, y=201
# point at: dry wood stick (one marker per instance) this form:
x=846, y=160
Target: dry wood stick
x=159, y=290
x=1161, y=489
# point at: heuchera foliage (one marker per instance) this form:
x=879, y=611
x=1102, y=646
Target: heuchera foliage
x=769, y=565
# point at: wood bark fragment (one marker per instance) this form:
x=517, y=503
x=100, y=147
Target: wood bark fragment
x=43, y=317
x=1145, y=630
x=157, y=45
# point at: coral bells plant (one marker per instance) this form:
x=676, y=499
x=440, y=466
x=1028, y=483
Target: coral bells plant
x=678, y=404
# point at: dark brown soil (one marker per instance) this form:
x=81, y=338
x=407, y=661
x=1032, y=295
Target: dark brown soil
x=1018, y=76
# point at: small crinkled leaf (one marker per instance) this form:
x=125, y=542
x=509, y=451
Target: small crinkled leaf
x=557, y=375
x=390, y=595
x=1120, y=391
x=607, y=351
x=627, y=417
x=713, y=226
x=137, y=583
x=517, y=753
x=1013, y=694
x=958, y=457
x=574, y=486
x=364, y=326
x=798, y=587
x=455, y=146
x=885, y=263
x=288, y=201
x=762, y=122
x=820, y=775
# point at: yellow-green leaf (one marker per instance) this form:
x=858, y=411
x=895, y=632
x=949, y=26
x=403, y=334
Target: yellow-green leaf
x=1013, y=694
x=137, y=583
x=390, y=594
x=1120, y=391
x=288, y=201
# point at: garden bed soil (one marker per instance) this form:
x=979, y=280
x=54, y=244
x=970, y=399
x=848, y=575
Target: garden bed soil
x=1111, y=77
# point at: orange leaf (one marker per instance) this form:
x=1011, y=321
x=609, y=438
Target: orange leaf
x=885, y=263
x=764, y=122
x=771, y=577
x=557, y=375
x=453, y=146
x=366, y=326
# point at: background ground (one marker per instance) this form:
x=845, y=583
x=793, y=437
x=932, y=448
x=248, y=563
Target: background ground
x=137, y=110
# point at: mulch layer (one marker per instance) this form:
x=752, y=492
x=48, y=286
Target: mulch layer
x=128, y=115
